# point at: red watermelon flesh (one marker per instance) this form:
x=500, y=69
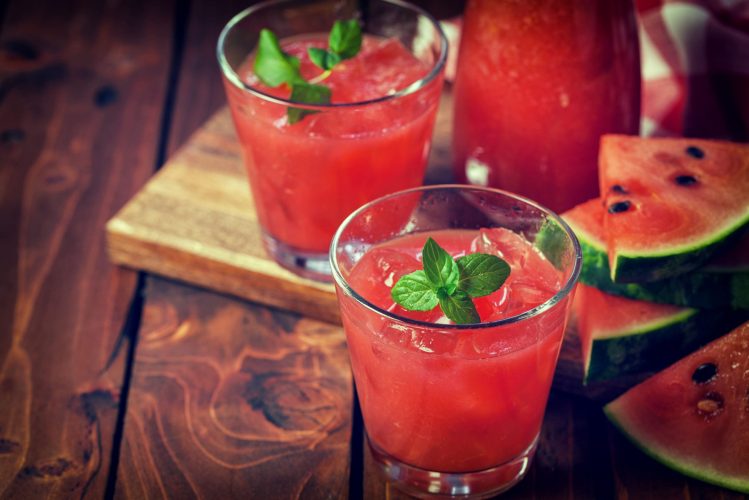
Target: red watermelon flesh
x=694, y=415
x=671, y=203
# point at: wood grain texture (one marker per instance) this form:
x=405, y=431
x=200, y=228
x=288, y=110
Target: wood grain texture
x=81, y=89
x=232, y=400
x=200, y=92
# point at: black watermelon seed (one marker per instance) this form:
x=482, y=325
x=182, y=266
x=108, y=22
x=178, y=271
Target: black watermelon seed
x=705, y=373
x=619, y=206
x=616, y=188
x=685, y=180
x=695, y=152
x=105, y=96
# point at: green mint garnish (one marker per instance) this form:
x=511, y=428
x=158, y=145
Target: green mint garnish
x=415, y=292
x=306, y=92
x=345, y=38
x=440, y=268
x=275, y=67
x=322, y=58
x=459, y=308
x=451, y=284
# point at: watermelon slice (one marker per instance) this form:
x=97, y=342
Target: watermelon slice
x=670, y=203
x=722, y=282
x=621, y=336
x=694, y=415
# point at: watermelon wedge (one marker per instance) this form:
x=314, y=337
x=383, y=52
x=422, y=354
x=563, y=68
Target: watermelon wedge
x=670, y=203
x=694, y=415
x=723, y=282
x=621, y=336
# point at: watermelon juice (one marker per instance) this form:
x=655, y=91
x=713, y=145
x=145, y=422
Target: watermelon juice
x=372, y=139
x=536, y=86
x=464, y=401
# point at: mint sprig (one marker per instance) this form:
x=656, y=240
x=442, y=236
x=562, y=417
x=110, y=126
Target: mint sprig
x=275, y=67
x=449, y=283
x=306, y=92
x=344, y=43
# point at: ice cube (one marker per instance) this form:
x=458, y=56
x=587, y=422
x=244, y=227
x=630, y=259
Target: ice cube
x=504, y=243
x=527, y=292
x=378, y=271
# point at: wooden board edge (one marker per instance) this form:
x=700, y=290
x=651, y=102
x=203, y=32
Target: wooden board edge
x=316, y=301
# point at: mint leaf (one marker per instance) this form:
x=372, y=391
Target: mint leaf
x=414, y=292
x=322, y=58
x=309, y=94
x=459, y=308
x=440, y=268
x=482, y=274
x=345, y=38
x=272, y=65
x=450, y=283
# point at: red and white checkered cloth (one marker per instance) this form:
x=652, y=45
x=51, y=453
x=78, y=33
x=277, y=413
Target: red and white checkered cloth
x=695, y=68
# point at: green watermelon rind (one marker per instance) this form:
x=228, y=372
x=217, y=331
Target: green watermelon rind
x=633, y=351
x=654, y=266
x=655, y=345
x=697, y=471
x=703, y=288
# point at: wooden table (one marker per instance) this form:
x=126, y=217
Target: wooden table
x=114, y=383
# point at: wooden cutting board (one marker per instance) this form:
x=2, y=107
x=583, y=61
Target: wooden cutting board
x=194, y=221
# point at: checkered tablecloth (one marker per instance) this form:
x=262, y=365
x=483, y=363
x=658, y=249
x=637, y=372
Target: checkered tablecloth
x=695, y=68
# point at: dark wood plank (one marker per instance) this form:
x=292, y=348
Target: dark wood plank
x=230, y=400
x=200, y=92
x=81, y=89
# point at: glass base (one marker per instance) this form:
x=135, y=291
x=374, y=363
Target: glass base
x=431, y=484
x=310, y=265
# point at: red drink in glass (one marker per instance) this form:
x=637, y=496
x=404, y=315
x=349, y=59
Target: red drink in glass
x=537, y=84
x=372, y=139
x=454, y=406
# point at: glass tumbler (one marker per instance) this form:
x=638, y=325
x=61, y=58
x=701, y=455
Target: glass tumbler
x=307, y=176
x=453, y=409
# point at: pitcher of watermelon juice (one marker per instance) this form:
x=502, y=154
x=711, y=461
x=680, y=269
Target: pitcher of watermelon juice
x=454, y=408
x=538, y=82
x=323, y=135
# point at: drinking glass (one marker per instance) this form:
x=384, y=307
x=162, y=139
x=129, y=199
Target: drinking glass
x=537, y=84
x=453, y=409
x=307, y=176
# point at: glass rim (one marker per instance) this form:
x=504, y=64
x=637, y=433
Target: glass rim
x=414, y=87
x=530, y=313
